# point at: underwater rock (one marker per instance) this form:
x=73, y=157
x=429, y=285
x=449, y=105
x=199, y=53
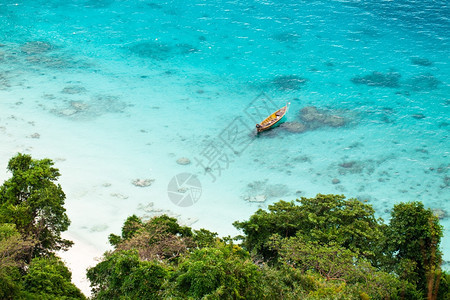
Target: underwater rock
x=183, y=161
x=314, y=118
x=347, y=165
x=334, y=121
x=258, y=198
x=36, y=47
x=4, y=82
x=79, y=105
x=418, y=116
x=423, y=82
x=388, y=80
x=256, y=189
x=119, y=196
x=295, y=127
x=54, y=62
x=147, y=208
x=35, y=135
x=286, y=37
x=440, y=213
x=421, y=61
x=310, y=114
x=152, y=50
x=73, y=89
x=446, y=183
x=289, y=82
x=302, y=159
x=143, y=182
x=352, y=167
x=335, y=181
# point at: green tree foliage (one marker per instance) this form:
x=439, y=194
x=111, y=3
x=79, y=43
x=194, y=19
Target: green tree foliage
x=49, y=278
x=444, y=286
x=32, y=217
x=32, y=201
x=159, y=238
x=205, y=238
x=123, y=275
x=223, y=272
x=324, y=218
x=336, y=263
x=13, y=250
x=326, y=247
x=413, y=239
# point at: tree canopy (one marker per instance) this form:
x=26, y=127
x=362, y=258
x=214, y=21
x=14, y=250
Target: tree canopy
x=324, y=218
x=32, y=201
x=32, y=217
x=325, y=247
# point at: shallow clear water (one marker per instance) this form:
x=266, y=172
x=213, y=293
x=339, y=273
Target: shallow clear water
x=115, y=91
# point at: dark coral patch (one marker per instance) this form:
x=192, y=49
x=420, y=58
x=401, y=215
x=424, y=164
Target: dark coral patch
x=424, y=82
x=289, y=82
x=154, y=50
x=389, y=80
x=421, y=61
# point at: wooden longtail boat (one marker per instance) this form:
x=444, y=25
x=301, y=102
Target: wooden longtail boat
x=273, y=119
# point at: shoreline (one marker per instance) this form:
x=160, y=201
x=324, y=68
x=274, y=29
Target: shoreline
x=78, y=259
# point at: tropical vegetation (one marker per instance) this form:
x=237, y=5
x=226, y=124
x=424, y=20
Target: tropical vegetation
x=325, y=247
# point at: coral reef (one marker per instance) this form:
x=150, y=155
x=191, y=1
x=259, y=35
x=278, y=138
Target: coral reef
x=98, y=105
x=423, y=82
x=4, y=82
x=352, y=167
x=446, y=182
x=143, y=182
x=152, y=50
x=418, y=116
x=289, y=82
x=314, y=118
x=73, y=89
x=52, y=61
x=183, y=161
x=36, y=47
x=421, y=61
x=388, y=80
x=260, y=191
x=294, y=126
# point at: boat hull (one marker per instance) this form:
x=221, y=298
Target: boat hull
x=273, y=120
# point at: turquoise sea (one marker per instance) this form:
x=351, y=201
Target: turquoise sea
x=116, y=91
